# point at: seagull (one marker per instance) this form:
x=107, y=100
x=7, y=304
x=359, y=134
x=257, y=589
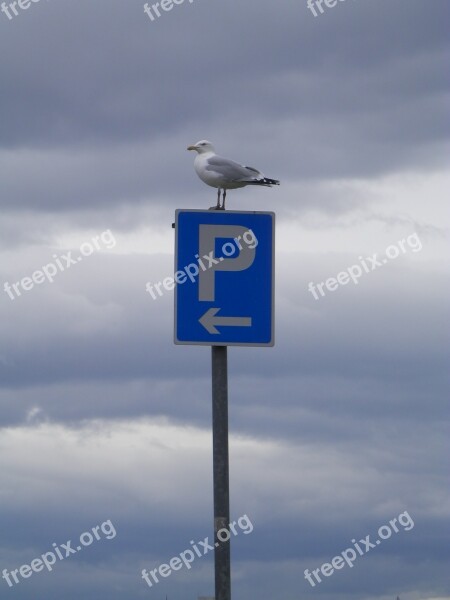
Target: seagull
x=223, y=173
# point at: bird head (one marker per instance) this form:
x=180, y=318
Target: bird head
x=202, y=147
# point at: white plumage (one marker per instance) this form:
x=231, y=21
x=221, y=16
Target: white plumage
x=223, y=173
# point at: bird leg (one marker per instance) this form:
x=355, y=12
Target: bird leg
x=218, y=199
x=223, y=198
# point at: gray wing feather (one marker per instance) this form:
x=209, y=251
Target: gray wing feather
x=232, y=170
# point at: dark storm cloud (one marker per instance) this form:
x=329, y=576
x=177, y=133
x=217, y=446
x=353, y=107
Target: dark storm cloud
x=322, y=529
x=99, y=323
x=93, y=111
x=106, y=72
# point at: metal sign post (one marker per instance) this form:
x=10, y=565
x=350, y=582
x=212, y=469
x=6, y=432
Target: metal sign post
x=221, y=470
x=224, y=295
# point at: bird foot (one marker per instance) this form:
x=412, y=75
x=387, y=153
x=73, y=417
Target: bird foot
x=216, y=208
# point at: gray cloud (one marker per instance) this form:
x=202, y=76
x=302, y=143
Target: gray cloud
x=334, y=431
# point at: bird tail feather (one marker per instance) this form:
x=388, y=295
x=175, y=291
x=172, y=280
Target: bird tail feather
x=265, y=181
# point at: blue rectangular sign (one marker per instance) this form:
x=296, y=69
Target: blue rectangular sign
x=224, y=273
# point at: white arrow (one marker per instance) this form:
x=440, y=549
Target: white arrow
x=209, y=321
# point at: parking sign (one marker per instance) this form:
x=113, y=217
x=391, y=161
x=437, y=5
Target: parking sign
x=224, y=263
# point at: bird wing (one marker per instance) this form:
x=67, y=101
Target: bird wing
x=231, y=170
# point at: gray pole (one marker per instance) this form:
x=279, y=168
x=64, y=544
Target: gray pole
x=221, y=470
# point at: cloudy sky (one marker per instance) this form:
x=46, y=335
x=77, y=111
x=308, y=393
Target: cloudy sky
x=335, y=431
